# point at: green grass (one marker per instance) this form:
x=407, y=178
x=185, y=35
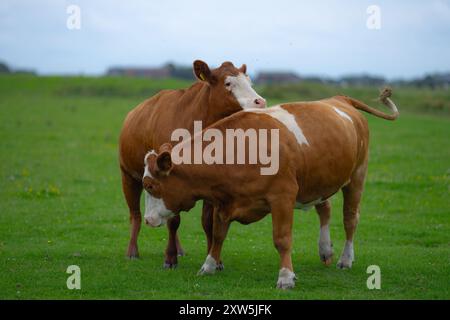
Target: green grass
x=61, y=204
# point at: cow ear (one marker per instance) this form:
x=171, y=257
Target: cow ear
x=165, y=147
x=202, y=71
x=164, y=163
x=243, y=68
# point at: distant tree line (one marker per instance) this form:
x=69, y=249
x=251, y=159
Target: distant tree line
x=4, y=68
x=171, y=70
x=168, y=70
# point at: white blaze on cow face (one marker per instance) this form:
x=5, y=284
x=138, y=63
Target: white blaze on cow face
x=156, y=213
x=241, y=88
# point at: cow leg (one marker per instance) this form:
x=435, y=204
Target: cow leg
x=221, y=224
x=173, y=245
x=325, y=246
x=180, y=251
x=352, y=197
x=207, y=223
x=132, y=190
x=282, y=221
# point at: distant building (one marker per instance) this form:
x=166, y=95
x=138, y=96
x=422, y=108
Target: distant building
x=319, y=79
x=167, y=71
x=25, y=71
x=181, y=72
x=158, y=73
x=362, y=80
x=277, y=77
x=437, y=80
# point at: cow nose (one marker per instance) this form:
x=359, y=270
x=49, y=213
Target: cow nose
x=261, y=103
x=152, y=222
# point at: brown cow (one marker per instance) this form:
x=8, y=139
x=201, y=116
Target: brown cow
x=323, y=147
x=218, y=93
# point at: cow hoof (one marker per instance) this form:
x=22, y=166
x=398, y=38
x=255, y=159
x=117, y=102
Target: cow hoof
x=132, y=253
x=220, y=266
x=181, y=253
x=168, y=265
x=344, y=264
x=286, y=279
x=347, y=257
x=205, y=271
x=326, y=261
x=285, y=285
x=209, y=267
x=133, y=257
x=326, y=253
x=170, y=261
x=326, y=256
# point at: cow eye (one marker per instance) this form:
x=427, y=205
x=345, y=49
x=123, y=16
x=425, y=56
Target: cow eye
x=228, y=84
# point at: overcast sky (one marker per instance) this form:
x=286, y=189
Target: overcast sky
x=309, y=37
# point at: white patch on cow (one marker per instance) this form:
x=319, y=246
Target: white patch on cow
x=347, y=257
x=209, y=267
x=286, y=118
x=325, y=235
x=286, y=279
x=307, y=206
x=325, y=249
x=156, y=213
x=241, y=87
x=343, y=114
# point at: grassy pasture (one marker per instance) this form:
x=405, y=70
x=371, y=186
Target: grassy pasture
x=61, y=204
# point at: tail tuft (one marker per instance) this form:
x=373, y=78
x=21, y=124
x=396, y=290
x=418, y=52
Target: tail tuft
x=384, y=94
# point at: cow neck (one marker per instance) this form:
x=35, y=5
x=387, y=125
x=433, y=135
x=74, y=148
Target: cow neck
x=202, y=108
x=201, y=178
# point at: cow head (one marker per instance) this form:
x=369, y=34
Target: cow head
x=163, y=197
x=230, y=87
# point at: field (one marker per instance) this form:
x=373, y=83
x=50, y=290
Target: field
x=61, y=204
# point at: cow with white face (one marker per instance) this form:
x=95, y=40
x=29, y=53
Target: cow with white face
x=241, y=88
x=230, y=86
x=156, y=213
x=217, y=93
x=323, y=147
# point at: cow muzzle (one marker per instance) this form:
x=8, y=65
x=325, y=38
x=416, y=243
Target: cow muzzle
x=260, y=103
x=250, y=103
x=154, y=222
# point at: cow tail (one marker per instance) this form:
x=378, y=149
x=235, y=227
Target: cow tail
x=385, y=99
